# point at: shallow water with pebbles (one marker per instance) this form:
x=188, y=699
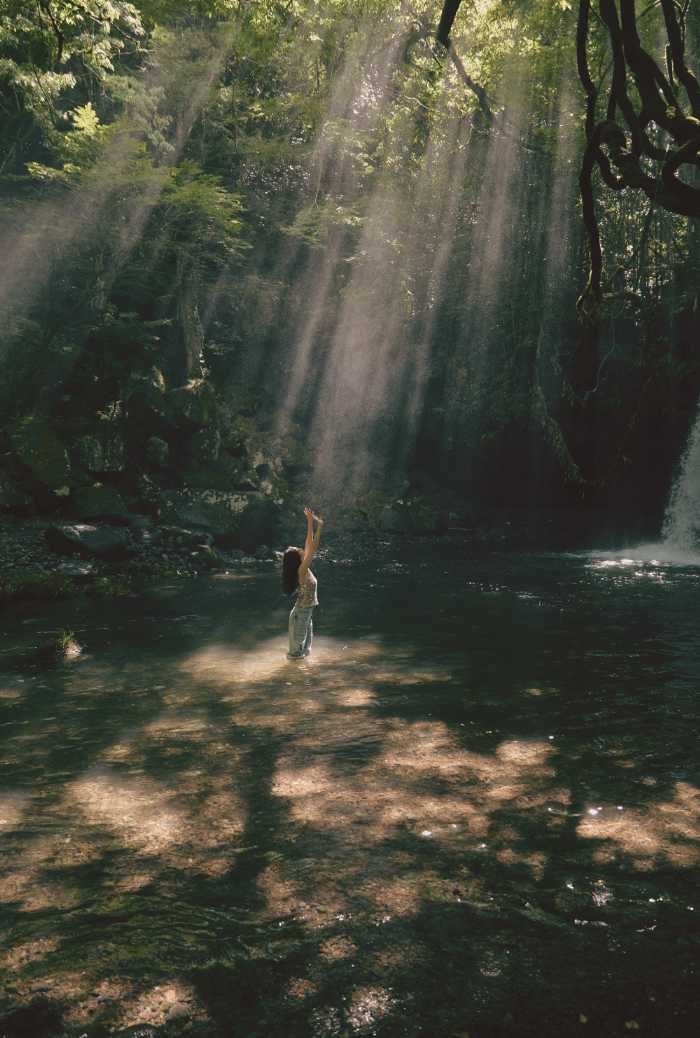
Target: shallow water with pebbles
x=475, y=809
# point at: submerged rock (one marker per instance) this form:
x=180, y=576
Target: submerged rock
x=62, y=647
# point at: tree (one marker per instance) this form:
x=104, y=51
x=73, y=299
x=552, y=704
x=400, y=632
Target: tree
x=647, y=133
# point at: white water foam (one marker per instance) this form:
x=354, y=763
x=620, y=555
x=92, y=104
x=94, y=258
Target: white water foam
x=681, y=529
x=680, y=544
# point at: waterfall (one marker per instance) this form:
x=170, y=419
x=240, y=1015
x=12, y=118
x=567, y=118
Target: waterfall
x=681, y=528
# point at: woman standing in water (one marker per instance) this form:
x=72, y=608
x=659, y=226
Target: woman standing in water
x=297, y=577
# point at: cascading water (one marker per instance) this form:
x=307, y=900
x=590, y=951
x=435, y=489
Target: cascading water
x=679, y=544
x=681, y=528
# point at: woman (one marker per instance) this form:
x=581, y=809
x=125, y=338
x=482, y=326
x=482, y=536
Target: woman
x=298, y=579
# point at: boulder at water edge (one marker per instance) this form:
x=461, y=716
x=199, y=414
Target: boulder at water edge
x=106, y=542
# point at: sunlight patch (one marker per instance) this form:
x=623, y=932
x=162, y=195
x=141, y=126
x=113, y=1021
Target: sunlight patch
x=663, y=832
x=160, y=1005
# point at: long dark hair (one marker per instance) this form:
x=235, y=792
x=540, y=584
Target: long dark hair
x=291, y=561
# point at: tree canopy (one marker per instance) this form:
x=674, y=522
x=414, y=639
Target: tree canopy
x=230, y=191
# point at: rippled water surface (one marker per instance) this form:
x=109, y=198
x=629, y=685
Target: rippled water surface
x=475, y=810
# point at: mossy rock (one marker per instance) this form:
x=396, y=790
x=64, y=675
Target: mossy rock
x=98, y=502
x=63, y=647
x=204, y=510
x=105, y=542
x=39, y=448
x=145, y=401
x=192, y=406
x=100, y=454
x=414, y=516
x=12, y=498
x=224, y=475
x=157, y=452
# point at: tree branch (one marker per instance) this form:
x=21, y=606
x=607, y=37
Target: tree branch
x=447, y=17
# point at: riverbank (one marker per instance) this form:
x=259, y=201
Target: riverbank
x=45, y=558
x=30, y=570
x=40, y=559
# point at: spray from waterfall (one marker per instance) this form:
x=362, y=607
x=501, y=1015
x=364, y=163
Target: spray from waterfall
x=681, y=528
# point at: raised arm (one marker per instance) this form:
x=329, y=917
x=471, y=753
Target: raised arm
x=311, y=543
x=317, y=532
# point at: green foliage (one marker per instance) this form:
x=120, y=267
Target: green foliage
x=170, y=169
x=65, y=641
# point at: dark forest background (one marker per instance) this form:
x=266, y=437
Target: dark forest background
x=231, y=229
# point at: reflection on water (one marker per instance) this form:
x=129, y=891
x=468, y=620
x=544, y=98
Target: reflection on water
x=475, y=809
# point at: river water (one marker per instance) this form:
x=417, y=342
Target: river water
x=474, y=810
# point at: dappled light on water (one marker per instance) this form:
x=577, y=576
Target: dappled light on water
x=667, y=832
x=329, y=837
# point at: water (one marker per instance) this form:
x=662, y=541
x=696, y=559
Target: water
x=475, y=809
x=681, y=528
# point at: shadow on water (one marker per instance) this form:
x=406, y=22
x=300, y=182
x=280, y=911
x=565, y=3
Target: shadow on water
x=474, y=809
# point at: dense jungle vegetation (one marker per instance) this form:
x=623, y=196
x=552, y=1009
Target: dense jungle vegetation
x=215, y=214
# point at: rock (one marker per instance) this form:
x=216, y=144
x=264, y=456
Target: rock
x=215, y=511
x=142, y=529
x=391, y=520
x=81, y=538
x=157, y=451
x=193, y=405
x=150, y=495
x=89, y=453
x=77, y=570
x=179, y=1011
x=39, y=448
x=100, y=454
x=114, y=451
x=99, y=502
x=144, y=398
x=205, y=445
x=206, y=556
x=138, y=1031
x=258, y=523
x=415, y=516
x=186, y=538
x=424, y=517
x=62, y=647
x=139, y=522
x=12, y=499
